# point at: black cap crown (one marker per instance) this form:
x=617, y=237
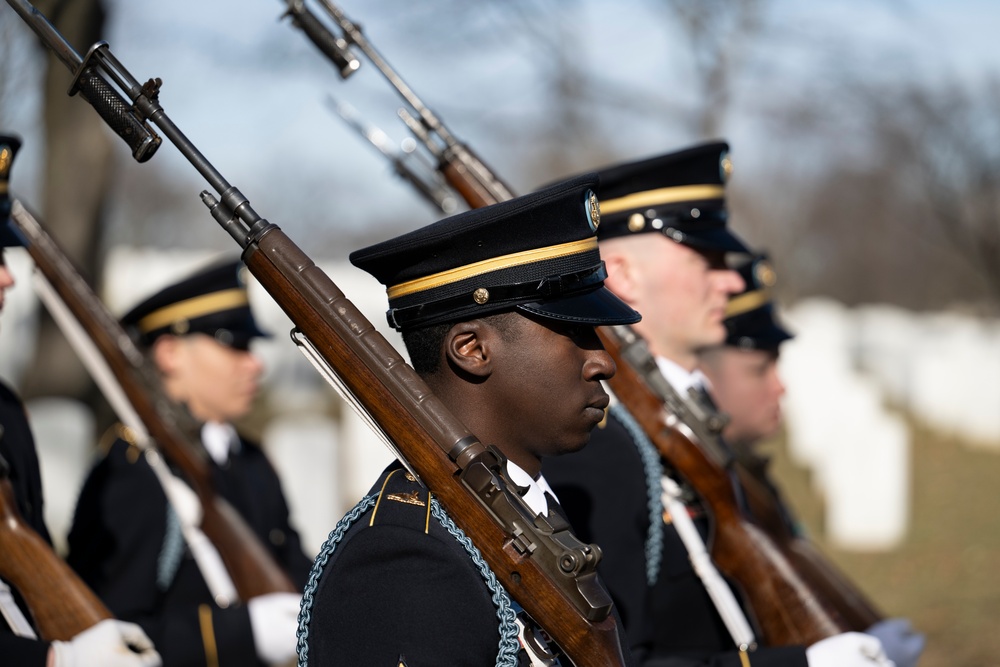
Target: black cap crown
x=8, y=149
x=681, y=195
x=213, y=301
x=537, y=253
x=750, y=318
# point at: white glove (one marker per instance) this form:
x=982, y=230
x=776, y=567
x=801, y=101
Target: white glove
x=900, y=641
x=274, y=619
x=850, y=649
x=110, y=643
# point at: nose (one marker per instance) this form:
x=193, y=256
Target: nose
x=253, y=363
x=777, y=386
x=780, y=386
x=729, y=281
x=6, y=277
x=599, y=365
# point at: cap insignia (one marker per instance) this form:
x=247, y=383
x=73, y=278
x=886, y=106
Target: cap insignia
x=593, y=210
x=481, y=295
x=764, y=274
x=636, y=222
x=725, y=167
x=180, y=327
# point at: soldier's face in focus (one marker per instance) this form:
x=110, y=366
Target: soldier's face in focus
x=548, y=376
x=746, y=386
x=217, y=382
x=681, y=292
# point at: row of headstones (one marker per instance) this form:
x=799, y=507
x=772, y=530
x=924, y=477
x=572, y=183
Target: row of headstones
x=852, y=374
x=941, y=368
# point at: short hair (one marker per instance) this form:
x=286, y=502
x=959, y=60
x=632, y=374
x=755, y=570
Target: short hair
x=424, y=344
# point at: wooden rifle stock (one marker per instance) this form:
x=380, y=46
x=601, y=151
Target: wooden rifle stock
x=846, y=599
x=60, y=603
x=785, y=607
x=463, y=171
x=250, y=565
x=446, y=456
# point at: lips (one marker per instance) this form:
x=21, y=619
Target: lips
x=601, y=402
x=596, y=408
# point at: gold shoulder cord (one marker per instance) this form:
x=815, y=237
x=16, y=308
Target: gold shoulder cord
x=120, y=432
x=208, y=636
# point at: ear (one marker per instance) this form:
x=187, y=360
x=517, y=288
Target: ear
x=623, y=273
x=468, y=346
x=166, y=353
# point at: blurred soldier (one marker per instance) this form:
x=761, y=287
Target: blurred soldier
x=665, y=242
x=126, y=540
x=743, y=373
x=746, y=387
x=497, y=307
x=105, y=644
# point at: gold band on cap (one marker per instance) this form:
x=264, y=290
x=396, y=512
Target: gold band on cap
x=6, y=157
x=746, y=302
x=195, y=307
x=493, y=264
x=662, y=196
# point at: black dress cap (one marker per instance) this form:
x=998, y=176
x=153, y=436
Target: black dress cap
x=751, y=322
x=537, y=253
x=9, y=236
x=213, y=301
x=681, y=195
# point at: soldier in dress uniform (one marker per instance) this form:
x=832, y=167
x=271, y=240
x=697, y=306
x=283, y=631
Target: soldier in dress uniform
x=497, y=307
x=105, y=644
x=743, y=371
x=126, y=540
x=665, y=241
x=746, y=387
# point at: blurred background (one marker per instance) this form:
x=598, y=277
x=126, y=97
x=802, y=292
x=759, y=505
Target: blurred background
x=866, y=144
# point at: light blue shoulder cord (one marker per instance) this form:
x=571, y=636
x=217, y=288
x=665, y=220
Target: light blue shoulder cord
x=507, y=656
x=508, y=648
x=172, y=551
x=654, y=471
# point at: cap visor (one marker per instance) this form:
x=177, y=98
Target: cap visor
x=598, y=307
x=714, y=239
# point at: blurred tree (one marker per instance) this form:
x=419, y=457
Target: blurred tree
x=949, y=137
x=75, y=187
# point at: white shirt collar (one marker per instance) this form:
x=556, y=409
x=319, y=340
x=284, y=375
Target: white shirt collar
x=680, y=378
x=537, y=488
x=219, y=439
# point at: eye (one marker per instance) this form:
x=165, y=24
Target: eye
x=584, y=335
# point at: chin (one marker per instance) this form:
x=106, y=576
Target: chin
x=583, y=442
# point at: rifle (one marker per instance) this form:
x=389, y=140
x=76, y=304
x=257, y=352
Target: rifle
x=60, y=603
x=461, y=168
x=786, y=608
x=830, y=583
x=857, y=611
x=431, y=188
x=537, y=559
x=250, y=565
